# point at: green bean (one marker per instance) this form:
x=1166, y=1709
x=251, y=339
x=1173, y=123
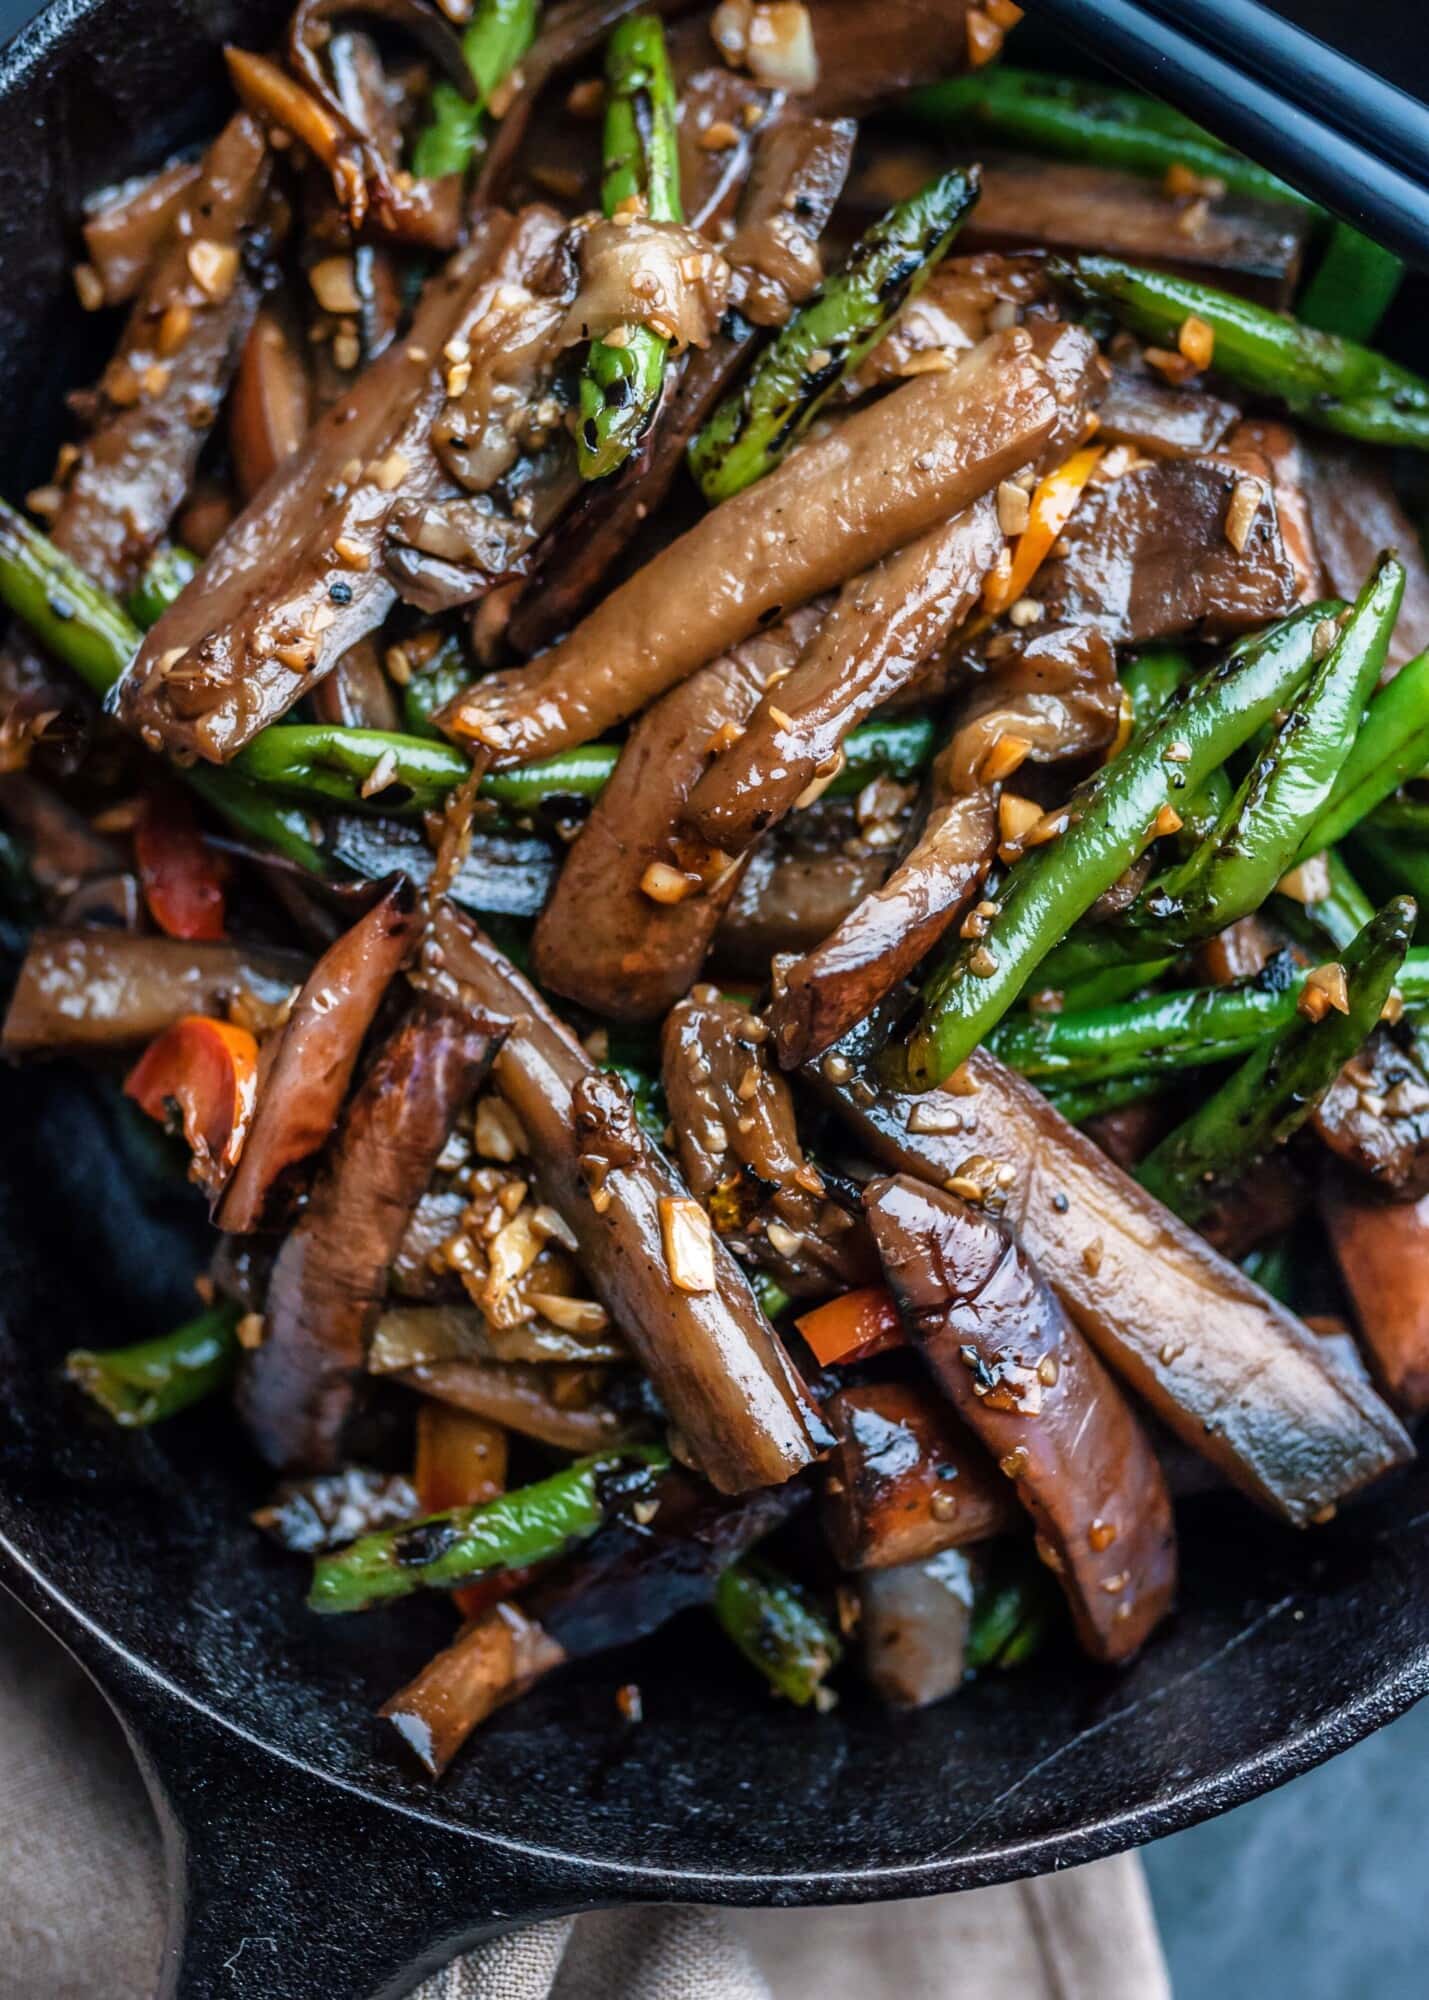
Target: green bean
x=827, y=338
x=1328, y=380
x=525, y=1526
x=1105, y=986
x=1080, y=1101
x=1272, y=1267
x=327, y=760
x=169, y=569
x=1089, y=121
x=772, y=1297
x=1275, y=1090
x=1264, y=825
x=155, y=1379
x=1354, y=285
x=90, y=633
x=432, y=686
x=287, y=829
x=1109, y=820
x=1394, y=861
x=1150, y=680
x=493, y=42
x=1187, y=1029
x=779, y=1629
x=1391, y=747
x=1014, y=1610
x=1342, y=913
x=70, y=616
x=900, y=748
x=621, y=386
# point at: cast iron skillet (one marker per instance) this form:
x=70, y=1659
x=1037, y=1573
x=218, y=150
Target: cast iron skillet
x=305, y=1860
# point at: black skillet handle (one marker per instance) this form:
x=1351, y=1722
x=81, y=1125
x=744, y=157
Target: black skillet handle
x=287, y=1884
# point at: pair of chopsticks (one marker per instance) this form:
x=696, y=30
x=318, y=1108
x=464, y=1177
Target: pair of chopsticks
x=1326, y=124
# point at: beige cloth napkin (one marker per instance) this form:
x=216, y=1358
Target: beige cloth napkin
x=81, y=1901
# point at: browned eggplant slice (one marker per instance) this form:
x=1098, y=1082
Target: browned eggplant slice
x=1003, y=1350
x=1375, y=1117
x=302, y=576
x=560, y=1406
x=881, y=478
x=1149, y=555
x=298, y=1388
x=305, y=1078
x=1382, y=1249
x=907, y=1478
x=603, y=939
x=739, y=1146
x=97, y=989
x=692, y=1321
x=1056, y=698
x=884, y=624
x=1234, y=1374
x=1355, y=513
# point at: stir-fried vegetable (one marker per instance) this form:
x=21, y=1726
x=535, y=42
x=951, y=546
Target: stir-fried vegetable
x=155, y=1379
x=826, y=339
x=1273, y=1093
x=518, y=1528
x=1024, y=655
x=623, y=377
x=1327, y=379
x=1105, y=826
x=1076, y=120
x=1185, y=1029
x=493, y=42
x=779, y=1629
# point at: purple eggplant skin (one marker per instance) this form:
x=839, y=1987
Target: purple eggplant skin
x=1252, y=1389
x=716, y=1364
x=1001, y=1347
x=298, y=1388
x=306, y=1078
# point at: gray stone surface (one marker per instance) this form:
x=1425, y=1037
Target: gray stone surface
x=1313, y=1893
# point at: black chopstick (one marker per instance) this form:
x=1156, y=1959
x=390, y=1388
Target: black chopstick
x=1386, y=196
x=1322, y=80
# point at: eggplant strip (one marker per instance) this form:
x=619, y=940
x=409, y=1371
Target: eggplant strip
x=1235, y=1376
x=270, y=408
x=799, y=169
x=716, y=1365
x=305, y=1080
x=740, y=1150
x=1148, y=556
x=1243, y=243
x=1354, y=514
x=838, y=506
x=1382, y=1249
x=788, y=900
x=1003, y=1350
x=102, y=989
x=535, y=1401
x=627, y=1581
x=162, y=391
x=1058, y=699
x=907, y=1478
x=1143, y=411
x=125, y=227
x=301, y=576
x=883, y=626
x=602, y=939
x=298, y=1389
